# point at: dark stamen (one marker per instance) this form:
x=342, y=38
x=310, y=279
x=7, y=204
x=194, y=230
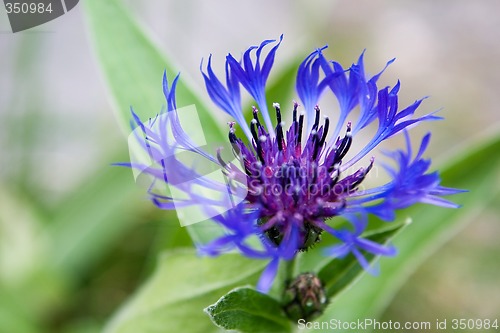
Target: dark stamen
x=260, y=153
x=316, y=119
x=319, y=143
x=256, y=116
x=365, y=172
x=316, y=145
x=334, y=178
x=279, y=127
x=299, y=134
x=232, y=138
x=279, y=136
x=325, y=131
x=253, y=130
x=344, y=145
x=295, y=106
x=278, y=112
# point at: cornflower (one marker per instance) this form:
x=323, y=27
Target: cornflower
x=287, y=183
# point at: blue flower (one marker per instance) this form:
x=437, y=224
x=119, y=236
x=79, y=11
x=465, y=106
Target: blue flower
x=287, y=182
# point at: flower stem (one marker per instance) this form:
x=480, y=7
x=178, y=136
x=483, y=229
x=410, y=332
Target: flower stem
x=290, y=269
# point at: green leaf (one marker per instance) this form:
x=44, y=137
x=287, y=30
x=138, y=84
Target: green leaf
x=92, y=218
x=248, y=311
x=133, y=67
x=182, y=286
x=474, y=169
x=338, y=274
x=14, y=320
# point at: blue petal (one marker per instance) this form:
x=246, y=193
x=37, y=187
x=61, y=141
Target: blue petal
x=411, y=184
x=228, y=99
x=337, y=251
x=253, y=78
x=345, y=88
x=268, y=275
x=307, y=83
x=170, y=92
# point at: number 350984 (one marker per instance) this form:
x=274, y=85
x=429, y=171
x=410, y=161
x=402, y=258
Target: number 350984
x=25, y=8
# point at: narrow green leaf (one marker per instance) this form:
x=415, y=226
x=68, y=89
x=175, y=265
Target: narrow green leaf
x=338, y=274
x=432, y=226
x=133, y=67
x=248, y=311
x=182, y=286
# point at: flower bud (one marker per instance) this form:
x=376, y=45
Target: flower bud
x=305, y=298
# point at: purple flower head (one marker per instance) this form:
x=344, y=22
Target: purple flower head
x=298, y=176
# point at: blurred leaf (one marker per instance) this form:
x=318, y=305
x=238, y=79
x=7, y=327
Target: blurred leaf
x=92, y=218
x=20, y=233
x=168, y=235
x=477, y=168
x=182, y=286
x=133, y=67
x=13, y=319
x=248, y=311
x=24, y=267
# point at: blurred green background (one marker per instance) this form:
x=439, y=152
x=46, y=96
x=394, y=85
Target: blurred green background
x=77, y=236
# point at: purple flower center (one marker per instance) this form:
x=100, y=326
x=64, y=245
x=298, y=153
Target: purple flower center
x=296, y=185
